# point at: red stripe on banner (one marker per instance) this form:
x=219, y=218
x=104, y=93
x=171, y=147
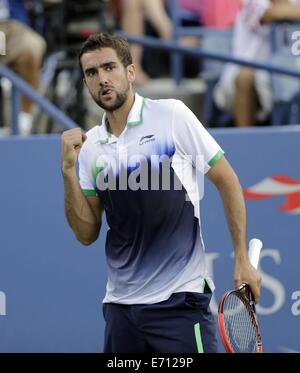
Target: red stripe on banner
x=292, y=202
x=254, y=196
x=285, y=180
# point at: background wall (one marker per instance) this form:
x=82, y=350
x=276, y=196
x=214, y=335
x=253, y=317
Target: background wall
x=51, y=287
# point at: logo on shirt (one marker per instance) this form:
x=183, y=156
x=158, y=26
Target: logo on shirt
x=146, y=139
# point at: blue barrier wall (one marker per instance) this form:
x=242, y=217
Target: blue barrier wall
x=51, y=286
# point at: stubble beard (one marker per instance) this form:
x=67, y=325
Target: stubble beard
x=121, y=97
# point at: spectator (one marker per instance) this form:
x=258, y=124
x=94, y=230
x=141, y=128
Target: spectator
x=24, y=52
x=244, y=91
x=134, y=13
x=133, y=17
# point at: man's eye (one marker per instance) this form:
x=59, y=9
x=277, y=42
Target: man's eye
x=90, y=73
x=109, y=68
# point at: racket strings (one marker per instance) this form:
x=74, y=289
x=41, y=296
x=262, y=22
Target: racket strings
x=239, y=324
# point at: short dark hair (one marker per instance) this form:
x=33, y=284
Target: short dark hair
x=105, y=40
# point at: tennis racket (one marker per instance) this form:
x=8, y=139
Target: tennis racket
x=237, y=321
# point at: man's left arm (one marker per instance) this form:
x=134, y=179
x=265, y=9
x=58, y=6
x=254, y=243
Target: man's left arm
x=228, y=185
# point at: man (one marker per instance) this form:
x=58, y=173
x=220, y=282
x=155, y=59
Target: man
x=158, y=294
x=244, y=91
x=24, y=53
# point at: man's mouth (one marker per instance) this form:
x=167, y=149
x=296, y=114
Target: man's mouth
x=106, y=92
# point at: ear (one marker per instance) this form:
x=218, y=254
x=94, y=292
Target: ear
x=131, y=73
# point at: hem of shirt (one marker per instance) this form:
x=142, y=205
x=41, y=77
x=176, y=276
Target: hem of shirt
x=184, y=288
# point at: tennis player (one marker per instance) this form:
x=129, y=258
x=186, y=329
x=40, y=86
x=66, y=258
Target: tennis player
x=158, y=293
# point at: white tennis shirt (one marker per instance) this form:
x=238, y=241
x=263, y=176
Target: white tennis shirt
x=149, y=182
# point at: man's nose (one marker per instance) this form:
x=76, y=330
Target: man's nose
x=102, y=77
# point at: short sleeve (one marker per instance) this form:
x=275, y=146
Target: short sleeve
x=253, y=11
x=192, y=141
x=86, y=173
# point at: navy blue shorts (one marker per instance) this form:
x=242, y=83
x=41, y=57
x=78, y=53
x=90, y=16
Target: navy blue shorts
x=181, y=324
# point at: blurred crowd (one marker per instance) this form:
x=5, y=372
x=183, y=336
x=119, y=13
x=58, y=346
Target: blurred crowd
x=43, y=38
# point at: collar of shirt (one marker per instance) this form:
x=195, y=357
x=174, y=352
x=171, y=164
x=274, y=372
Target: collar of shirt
x=135, y=118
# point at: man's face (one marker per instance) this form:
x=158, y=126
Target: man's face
x=107, y=80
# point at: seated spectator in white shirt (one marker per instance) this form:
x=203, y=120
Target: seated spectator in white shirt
x=244, y=91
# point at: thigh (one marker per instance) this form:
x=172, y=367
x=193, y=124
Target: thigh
x=21, y=39
x=5, y=29
x=121, y=334
x=182, y=324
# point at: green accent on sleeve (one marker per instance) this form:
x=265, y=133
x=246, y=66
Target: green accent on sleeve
x=198, y=338
x=215, y=159
x=140, y=121
x=89, y=192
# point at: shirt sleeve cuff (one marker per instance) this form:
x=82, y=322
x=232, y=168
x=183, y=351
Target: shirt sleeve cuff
x=89, y=192
x=215, y=159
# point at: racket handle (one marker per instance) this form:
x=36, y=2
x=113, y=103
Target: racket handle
x=255, y=246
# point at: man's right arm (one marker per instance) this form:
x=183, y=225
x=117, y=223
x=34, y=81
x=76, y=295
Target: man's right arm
x=83, y=213
x=281, y=12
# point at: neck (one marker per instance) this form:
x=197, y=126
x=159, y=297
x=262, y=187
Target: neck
x=117, y=119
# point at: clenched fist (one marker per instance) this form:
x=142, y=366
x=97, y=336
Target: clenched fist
x=71, y=143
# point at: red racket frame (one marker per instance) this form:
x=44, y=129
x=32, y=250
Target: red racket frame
x=221, y=323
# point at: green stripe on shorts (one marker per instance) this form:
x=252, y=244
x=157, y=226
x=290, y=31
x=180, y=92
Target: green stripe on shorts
x=198, y=338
